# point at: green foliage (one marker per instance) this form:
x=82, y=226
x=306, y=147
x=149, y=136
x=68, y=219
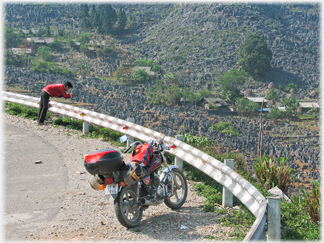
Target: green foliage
x=84, y=38
x=44, y=52
x=255, y=57
x=49, y=67
x=56, y=44
x=289, y=87
x=296, y=223
x=20, y=110
x=122, y=21
x=291, y=105
x=275, y=113
x=197, y=141
x=271, y=175
x=174, y=95
x=224, y=127
x=13, y=38
x=242, y=221
x=17, y=60
x=104, y=19
x=141, y=76
x=231, y=84
x=143, y=63
x=272, y=96
x=312, y=201
x=246, y=107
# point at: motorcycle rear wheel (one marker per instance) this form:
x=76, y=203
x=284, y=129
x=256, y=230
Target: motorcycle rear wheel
x=180, y=190
x=128, y=212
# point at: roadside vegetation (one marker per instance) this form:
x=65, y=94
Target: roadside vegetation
x=300, y=220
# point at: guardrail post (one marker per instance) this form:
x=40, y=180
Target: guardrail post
x=85, y=127
x=273, y=218
x=227, y=195
x=179, y=162
x=130, y=139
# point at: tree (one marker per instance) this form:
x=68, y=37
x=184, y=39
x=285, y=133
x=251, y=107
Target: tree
x=84, y=38
x=122, y=21
x=12, y=38
x=272, y=96
x=174, y=95
x=291, y=105
x=275, y=113
x=246, y=107
x=107, y=18
x=44, y=53
x=84, y=48
x=231, y=84
x=255, y=57
x=94, y=16
x=84, y=15
x=141, y=76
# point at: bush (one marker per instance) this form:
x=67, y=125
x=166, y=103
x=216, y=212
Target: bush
x=225, y=127
x=20, y=110
x=275, y=113
x=271, y=175
x=313, y=202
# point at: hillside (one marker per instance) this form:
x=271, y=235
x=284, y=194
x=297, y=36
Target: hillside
x=197, y=43
x=201, y=41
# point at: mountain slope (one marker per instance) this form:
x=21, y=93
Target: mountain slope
x=201, y=41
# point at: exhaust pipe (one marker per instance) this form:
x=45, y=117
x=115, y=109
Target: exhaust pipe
x=146, y=202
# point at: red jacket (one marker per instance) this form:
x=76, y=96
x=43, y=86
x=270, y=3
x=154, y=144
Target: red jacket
x=57, y=90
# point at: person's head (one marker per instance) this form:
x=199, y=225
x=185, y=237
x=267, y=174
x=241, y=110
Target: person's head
x=68, y=85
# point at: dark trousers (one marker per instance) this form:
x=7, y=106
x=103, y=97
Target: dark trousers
x=43, y=107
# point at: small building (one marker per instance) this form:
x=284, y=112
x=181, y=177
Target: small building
x=259, y=100
x=208, y=103
x=41, y=40
x=21, y=51
x=305, y=106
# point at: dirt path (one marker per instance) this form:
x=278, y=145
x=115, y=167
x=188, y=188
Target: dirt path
x=84, y=214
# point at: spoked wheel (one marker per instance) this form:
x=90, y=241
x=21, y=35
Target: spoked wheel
x=180, y=190
x=128, y=212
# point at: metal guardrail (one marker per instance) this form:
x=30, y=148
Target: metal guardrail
x=217, y=170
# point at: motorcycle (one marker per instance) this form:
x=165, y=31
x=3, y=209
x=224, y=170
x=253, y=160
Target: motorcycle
x=138, y=184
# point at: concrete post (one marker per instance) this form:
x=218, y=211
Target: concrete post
x=130, y=139
x=179, y=162
x=273, y=218
x=228, y=195
x=85, y=127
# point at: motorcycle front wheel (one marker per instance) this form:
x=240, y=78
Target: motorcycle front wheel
x=128, y=212
x=180, y=190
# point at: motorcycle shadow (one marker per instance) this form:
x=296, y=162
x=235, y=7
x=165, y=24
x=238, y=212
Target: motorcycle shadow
x=186, y=223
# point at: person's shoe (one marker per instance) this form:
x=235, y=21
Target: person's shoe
x=41, y=124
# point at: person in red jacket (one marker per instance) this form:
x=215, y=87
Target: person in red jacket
x=52, y=90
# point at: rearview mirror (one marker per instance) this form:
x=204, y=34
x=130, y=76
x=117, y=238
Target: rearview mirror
x=123, y=138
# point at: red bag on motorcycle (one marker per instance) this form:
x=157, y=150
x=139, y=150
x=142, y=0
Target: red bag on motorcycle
x=142, y=154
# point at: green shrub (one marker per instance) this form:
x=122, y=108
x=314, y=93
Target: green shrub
x=20, y=110
x=296, y=223
x=271, y=175
x=312, y=201
x=225, y=127
x=198, y=141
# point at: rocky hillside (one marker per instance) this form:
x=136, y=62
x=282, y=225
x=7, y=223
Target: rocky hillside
x=201, y=41
x=198, y=42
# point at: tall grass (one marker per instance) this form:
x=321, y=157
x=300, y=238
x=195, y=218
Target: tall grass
x=271, y=175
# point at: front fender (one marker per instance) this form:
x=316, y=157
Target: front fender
x=166, y=170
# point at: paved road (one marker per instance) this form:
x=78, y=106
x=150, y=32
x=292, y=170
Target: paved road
x=33, y=192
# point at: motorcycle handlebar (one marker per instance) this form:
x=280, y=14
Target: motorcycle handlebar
x=156, y=142
x=132, y=145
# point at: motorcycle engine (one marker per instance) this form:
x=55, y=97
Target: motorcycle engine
x=154, y=186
